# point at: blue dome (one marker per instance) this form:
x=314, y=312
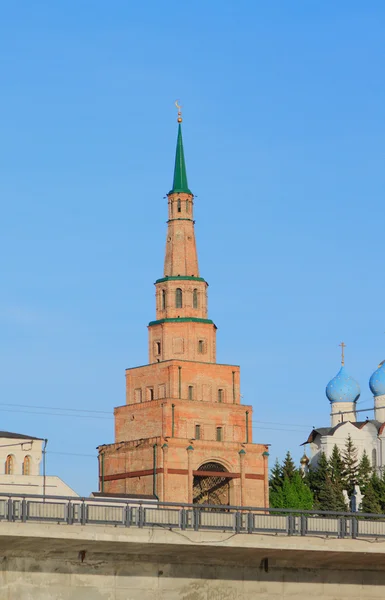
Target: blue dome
x=343, y=388
x=377, y=380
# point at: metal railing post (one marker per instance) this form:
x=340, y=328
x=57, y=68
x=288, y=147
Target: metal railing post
x=341, y=527
x=238, y=521
x=182, y=518
x=10, y=509
x=140, y=516
x=290, y=524
x=354, y=531
x=250, y=522
x=196, y=518
x=69, y=514
x=303, y=524
x=24, y=510
x=83, y=515
x=127, y=516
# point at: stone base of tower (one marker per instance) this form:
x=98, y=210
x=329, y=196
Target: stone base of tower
x=202, y=472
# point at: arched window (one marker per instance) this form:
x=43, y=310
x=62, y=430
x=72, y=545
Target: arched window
x=374, y=458
x=179, y=207
x=164, y=294
x=220, y=395
x=195, y=298
x=9, y=464
x=201, y=346
x=187, y=206
x=178, y=298
x=27, y=465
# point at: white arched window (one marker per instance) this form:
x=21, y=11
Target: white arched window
x=9, y=464
x=27, y=465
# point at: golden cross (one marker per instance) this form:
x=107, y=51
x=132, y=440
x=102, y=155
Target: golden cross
x=343, y=346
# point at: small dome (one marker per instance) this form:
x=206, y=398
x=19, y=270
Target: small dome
x=343, y=388
x=377, y=380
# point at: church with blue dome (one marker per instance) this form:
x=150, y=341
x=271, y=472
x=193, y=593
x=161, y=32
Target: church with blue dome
x=343, y=392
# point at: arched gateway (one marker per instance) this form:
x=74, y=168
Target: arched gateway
x=211, y=487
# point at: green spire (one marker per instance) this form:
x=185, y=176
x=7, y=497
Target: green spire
x=180, y=176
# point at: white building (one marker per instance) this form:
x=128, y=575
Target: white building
x=343, y=392
x=20, y=467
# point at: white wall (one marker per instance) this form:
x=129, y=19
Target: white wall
x=20, y=448
x=34, y=484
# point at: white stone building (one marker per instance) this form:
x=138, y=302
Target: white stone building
x=343, y=392
x=21, y=459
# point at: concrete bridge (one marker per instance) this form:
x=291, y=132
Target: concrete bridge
x=73, y=561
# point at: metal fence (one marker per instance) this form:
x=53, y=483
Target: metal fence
x=171, y=515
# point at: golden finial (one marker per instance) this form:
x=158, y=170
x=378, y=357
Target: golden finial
x=343, y=346
x=179, y=111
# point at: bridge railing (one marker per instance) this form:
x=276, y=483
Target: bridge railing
x=195, y=517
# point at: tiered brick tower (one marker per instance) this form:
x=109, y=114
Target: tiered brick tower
x=183, y=434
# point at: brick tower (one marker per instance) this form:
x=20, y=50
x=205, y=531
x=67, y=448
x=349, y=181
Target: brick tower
x=183, y=434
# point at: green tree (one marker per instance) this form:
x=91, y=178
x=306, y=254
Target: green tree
x=364, y=472
x=276, y=478
x=296, y=494
x=317, y=475
x=336, y=465
x=287, y=486
x=304, y=493
x=288, y=467
x=330, y=496
x=370, y=501
x=378, y=485
x=350, y=468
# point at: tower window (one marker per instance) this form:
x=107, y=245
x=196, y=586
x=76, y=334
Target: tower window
x=201, y=346
x=197, y=432
x=179, y=208
x=220, y=395
x=187, y=206
x=150, y=393
x=9, y=464
x=27, y=465
x=190, y=392
x=157, y=348
x=138, y=395
x=164, y=299
x=178, y=298
x=219, y=434
x=374, y=458
x=195, y=298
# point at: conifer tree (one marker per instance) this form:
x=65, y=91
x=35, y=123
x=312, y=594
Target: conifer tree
x=296, y=494
x=364, y=472
x=276, y=478
x=330, y=496
x=336, y=465
x=350, y=468
x=378, y=485
x=304, y=493
x=288, y=467
x=370, y=501
x=288, y=488
x=316, y=476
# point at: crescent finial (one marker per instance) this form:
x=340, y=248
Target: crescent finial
x=179, y=111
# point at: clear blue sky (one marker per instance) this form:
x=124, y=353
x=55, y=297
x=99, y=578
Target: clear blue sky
x=284, y=140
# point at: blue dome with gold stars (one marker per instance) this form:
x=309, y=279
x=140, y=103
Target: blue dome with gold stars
x=343, y=388
x=377, y=380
